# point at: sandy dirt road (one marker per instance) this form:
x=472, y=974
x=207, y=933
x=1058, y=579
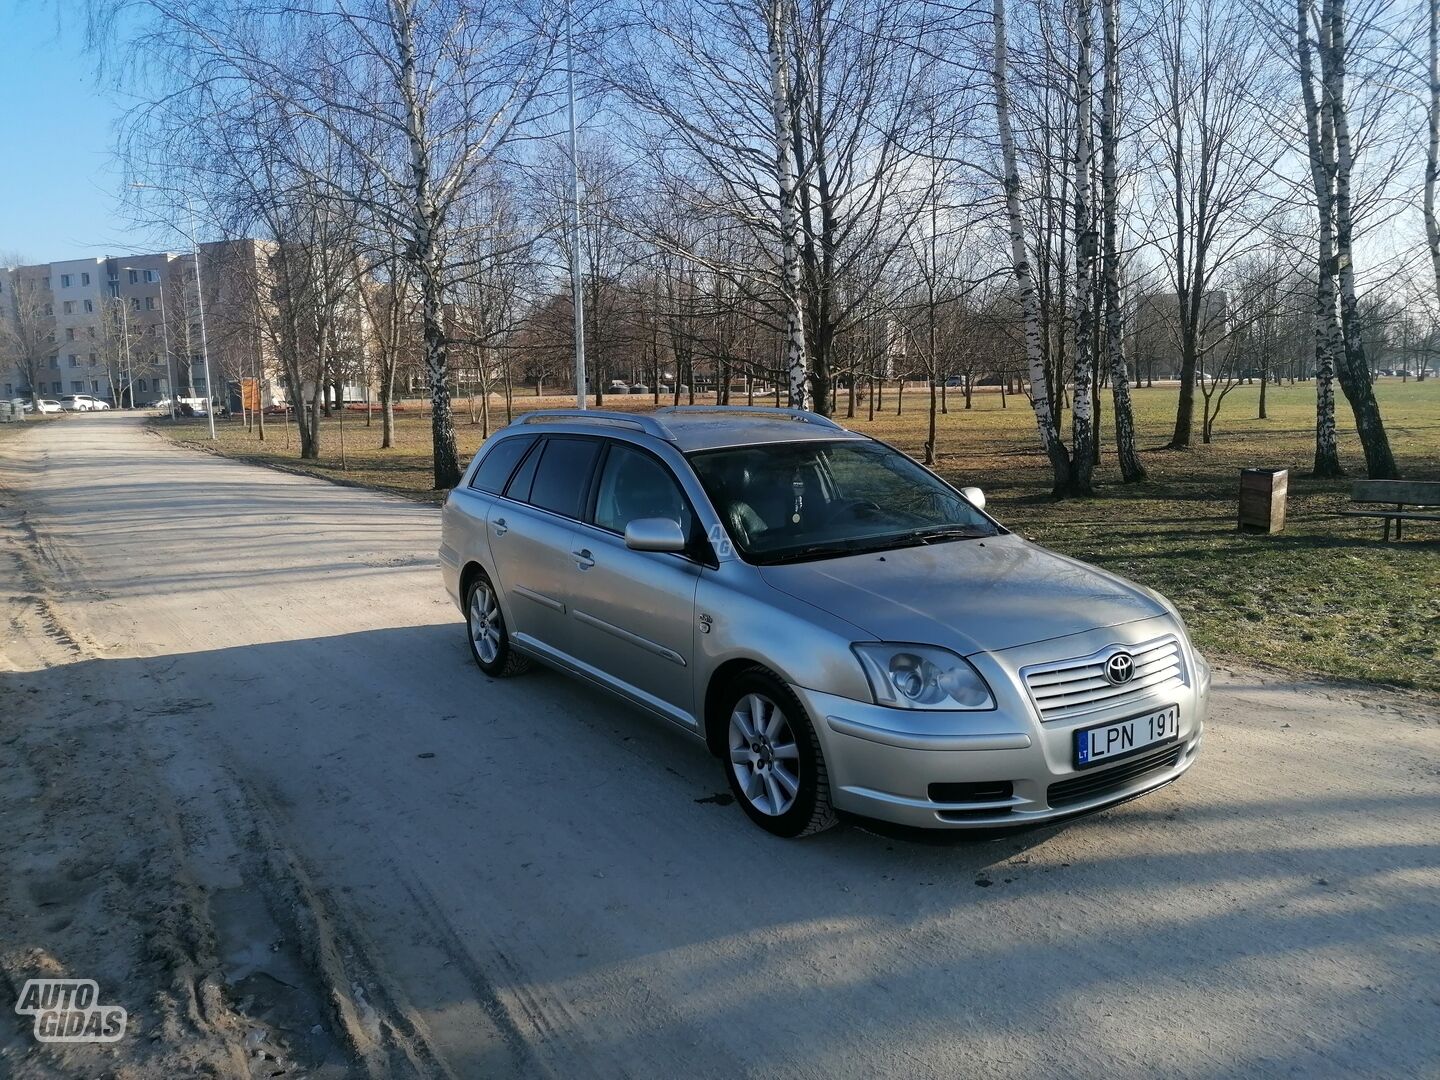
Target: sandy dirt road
x=254, y=786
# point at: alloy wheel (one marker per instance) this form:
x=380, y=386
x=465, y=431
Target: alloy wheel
x=485, y=623
x=763, y=754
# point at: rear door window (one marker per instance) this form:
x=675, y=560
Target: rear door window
x=562, y=476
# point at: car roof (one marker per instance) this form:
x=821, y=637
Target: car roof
x=699, y=427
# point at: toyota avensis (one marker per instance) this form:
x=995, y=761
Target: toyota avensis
x=843, y=629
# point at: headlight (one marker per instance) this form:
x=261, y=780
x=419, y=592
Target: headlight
x=922, y=677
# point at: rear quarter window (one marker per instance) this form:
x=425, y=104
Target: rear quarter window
x=499, y=462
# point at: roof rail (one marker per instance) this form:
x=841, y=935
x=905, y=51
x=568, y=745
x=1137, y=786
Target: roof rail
x=640, y=421
x=803, y=416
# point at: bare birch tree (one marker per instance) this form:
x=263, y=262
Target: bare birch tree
x=1131, y=470
x=1082, y=458
x=1045, y=422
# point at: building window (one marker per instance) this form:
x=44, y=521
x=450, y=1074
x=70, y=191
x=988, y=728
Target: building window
x=78, y=386
x=92, y=359
x=134, y=276
x=64, y=281
x=49, y=309
x=89, y=305
x=84, y=279
x=134, y=303
x=47, y=284
x=69, y=307
x=58, y=387
x=95, y=386
x=150, y=305
x=69, y=333
x=54, y=361
x=74, y=360
x=151, y=276
x=9, y=389
x=90, y=332
x=142, y=386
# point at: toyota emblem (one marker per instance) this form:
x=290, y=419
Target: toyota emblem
x=1120, y=668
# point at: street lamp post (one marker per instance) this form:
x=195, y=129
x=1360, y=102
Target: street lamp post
x=200, y=307
x=576, y=292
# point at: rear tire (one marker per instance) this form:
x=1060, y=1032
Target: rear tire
x=485, y=629
x=773, y=758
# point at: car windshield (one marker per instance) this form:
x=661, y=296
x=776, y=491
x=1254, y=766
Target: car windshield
x=795, y=501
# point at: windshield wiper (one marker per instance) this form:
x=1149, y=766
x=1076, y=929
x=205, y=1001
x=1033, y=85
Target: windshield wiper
x=831, y=550
x=945, y=533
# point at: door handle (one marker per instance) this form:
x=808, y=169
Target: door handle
x=583, y=559
x=499, y=526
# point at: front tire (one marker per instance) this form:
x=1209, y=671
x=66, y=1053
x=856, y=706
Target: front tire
x=773, y=758
x=485, y=628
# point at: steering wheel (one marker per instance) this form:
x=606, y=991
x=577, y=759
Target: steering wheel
x=850, y=506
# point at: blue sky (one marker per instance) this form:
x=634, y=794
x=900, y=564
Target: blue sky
x=59, y=186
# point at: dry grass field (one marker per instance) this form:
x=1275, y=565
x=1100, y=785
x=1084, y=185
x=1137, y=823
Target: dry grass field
x=1325, y=597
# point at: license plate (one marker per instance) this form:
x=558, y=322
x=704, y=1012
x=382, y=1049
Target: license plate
x=1110, y=742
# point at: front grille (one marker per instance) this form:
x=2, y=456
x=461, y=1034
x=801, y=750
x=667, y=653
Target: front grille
x=1068, y=688
x=1091, y=785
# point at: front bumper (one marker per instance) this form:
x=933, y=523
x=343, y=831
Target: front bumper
x=883, y=762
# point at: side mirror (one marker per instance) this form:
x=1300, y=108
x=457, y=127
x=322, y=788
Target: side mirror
x=654, y=534
x=974, y=496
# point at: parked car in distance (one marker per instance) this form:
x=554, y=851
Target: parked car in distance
x=48, y=405
x=83, y=403
x=844, y=630
x=23, y=404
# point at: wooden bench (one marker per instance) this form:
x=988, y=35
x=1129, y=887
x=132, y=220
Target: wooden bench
x=1404, y=495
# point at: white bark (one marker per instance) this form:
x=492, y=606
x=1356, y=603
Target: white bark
x=1029, y=305
x=1432, y=152
x=1326, y=324
x=1082, y=416
x=1130, y=468
x=777, y=29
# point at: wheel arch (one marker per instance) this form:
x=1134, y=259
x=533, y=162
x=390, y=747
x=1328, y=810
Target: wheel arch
x=714, y=719
x=468, y=573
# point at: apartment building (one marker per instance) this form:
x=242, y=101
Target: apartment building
x=131, y=329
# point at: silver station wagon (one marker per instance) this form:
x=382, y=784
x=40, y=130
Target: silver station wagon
x=843, y=629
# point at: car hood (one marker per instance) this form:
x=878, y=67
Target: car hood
x=967, y=595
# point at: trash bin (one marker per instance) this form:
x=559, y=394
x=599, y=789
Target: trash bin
x=1262, y=499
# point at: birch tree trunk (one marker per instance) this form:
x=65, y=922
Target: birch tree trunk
x=1131, y=471
x=1328, y=342
x=1082, y=457
x=1432, y=151
x=777, y=27
x=1353, y=369
x=1045, y=423
x=426, y=252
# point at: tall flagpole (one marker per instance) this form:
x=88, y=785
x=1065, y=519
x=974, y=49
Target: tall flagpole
x=575, y=290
